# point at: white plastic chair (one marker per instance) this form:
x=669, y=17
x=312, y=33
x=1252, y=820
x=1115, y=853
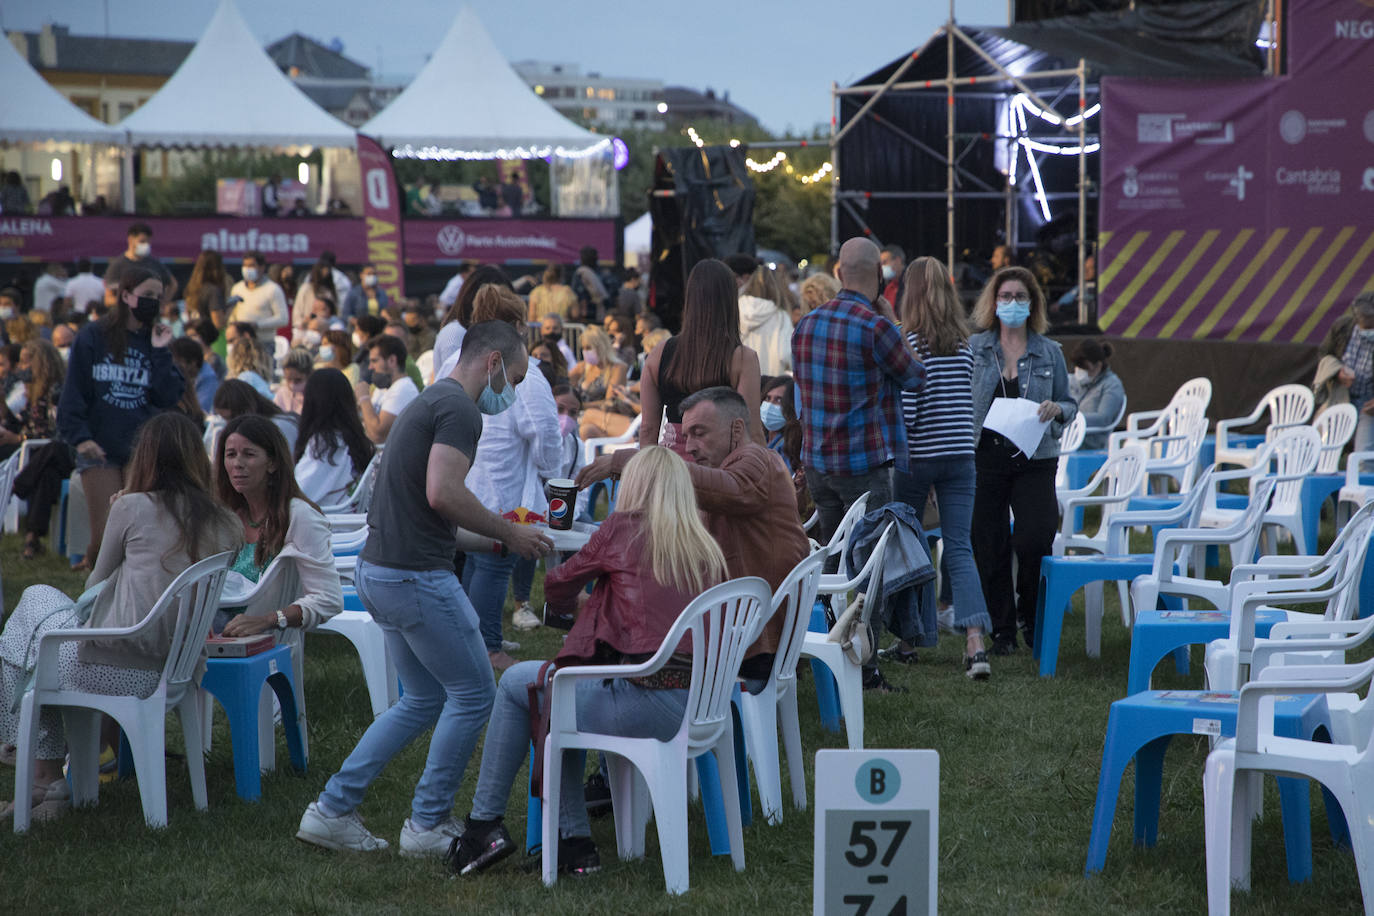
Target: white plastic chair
x=9, y=470
x=828, y=651
x=647, y=774
x=1353, y=493
x=379, y=672
x=773, y=711
x=594, y=448
x=1336, y=426
x=835, y=547
x=1069, y=442
x=1288, y=406
x=1293, y=455
x=193, y=597
x=1346, y=771
x=12, y=503
x=1200, y=388
x=1173, y=441
x=359, y=500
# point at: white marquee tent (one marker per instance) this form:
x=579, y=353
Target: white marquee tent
x=228, y=92
x=32, y=111
x=467, y=102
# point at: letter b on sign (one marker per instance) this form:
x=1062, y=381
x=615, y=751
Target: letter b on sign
x=378, y=189
x=877, y=781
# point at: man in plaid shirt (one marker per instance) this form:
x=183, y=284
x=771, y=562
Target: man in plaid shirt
x=851, y=366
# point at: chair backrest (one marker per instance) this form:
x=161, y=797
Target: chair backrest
x=194, y=597
x=1185, y=417
x=8, y=471
x=1200, y=388
x=722, y=622
x=1287, y=404
x=1336, y=426
x=794, y=600
x=1294, y=457
x=1351, y=545
x=840, y=538
x=1114, y=422
x=1072, y=437
x=1121, y=477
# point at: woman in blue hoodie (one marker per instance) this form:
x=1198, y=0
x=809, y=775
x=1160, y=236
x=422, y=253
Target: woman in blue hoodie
x=120, y=373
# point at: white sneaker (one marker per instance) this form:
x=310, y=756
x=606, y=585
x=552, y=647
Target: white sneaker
x=945, y=618
x=345, y=833
x=417, y=842
x=508, y=645
x=525, y=618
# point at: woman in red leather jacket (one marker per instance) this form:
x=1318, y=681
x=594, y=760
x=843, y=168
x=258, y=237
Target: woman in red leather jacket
x=649, y=559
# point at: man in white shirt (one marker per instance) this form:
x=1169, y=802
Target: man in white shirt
x=84, y=288
x=386, y=364
x=261, y=301
x=50, y=287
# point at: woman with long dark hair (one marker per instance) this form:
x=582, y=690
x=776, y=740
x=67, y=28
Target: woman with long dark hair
x=40, y=482
x=449, y=340
x=320, y=285
x=255, y=479
x=207, y=289
x=332, y=449
x=708, y=353
x=164, y=520
x=235, y=398
x=120, y=374
x=939, y=420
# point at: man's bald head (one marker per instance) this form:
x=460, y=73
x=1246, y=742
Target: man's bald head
x=858, y=269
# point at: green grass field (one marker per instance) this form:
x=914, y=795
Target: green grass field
x=1019, y=763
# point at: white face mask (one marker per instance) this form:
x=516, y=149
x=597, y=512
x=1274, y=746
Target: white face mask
x=142, y=250
x=1080, y=375
x=313, y=338
x=369, y=280
x=250, y=275
x=6, y=312
x=357, y=339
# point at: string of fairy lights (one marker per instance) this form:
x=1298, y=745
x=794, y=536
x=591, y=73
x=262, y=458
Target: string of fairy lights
x=778, y=159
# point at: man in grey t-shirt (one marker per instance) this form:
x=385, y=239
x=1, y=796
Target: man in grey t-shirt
x=405, y=579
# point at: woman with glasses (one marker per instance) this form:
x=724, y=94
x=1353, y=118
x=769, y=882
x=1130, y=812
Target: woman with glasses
x=1012, y=359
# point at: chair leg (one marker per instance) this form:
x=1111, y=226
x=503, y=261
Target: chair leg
x=789, y=727
x=734, y=821
x=850, y=683
x=82, y=730
x=150, y=747
x=23, y=764
x=760, y=715
x=553, y=776
x=667, y=793
x=1296, y=810
x=1092, y=618
x=188, y=712
x=267, y=733
x=627, y=802
x=1218, y=800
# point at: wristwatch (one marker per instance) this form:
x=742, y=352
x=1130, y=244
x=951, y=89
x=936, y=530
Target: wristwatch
x=281, y=620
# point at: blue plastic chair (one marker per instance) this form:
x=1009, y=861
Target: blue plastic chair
x=1316, y=490
x=1160, y=632
x=237, y=684
x=1140, y=727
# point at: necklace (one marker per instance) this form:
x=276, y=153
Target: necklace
x=255, y=525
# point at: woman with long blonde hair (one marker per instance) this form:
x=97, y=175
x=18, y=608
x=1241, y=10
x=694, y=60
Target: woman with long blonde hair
x=649, y=559
x=939, y=420
x=599, y=379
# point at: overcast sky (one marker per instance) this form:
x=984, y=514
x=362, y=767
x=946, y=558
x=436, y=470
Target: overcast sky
x=777, y=58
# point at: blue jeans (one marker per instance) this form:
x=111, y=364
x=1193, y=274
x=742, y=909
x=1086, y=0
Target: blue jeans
x=953, y=479
x=833, y=494
x=614, y=707
x=486, y=577
x=431, y=633
x=523, y=579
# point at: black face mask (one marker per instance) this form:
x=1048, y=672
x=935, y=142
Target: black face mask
x=145, y=309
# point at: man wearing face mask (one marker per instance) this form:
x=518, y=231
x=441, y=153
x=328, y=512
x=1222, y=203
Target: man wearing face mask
x=261, y=301
x=367, y=298
x=138, y=252
x=405, y=580
x=893, y=260
x=386, y=360
x=551, y=329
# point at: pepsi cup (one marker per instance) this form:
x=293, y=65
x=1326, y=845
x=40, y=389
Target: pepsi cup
x=562, y=495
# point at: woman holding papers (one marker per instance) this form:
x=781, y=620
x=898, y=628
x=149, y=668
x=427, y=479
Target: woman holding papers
x=1020, y=383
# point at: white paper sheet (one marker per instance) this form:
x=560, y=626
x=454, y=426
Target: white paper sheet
x=1016, y=419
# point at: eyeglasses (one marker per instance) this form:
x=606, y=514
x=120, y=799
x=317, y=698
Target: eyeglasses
x=1008, y=299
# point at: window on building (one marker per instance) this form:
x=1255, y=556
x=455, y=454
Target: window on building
x=640, y=115
x=606, y=94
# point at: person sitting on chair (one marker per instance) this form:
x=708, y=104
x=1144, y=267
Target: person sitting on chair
x=163, y=521
x=649, y=559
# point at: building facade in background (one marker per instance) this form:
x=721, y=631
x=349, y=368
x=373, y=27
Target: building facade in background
x=609, y=102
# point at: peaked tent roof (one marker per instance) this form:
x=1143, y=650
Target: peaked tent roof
x=228, y=92
x=32, y=111
x=467, y=97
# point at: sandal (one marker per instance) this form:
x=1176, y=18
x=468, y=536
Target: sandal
x=33, y=547
x=46, y=801
x=82, y=565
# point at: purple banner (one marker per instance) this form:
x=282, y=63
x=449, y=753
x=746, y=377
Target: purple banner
x=1239, y=209
x=1332, y=38
x=37, y=238
x=440, y=241
x=382, y=209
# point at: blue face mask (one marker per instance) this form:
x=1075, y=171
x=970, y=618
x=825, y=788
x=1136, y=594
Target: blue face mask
x=493, y=402
x=771, y=415
x=1013, y=314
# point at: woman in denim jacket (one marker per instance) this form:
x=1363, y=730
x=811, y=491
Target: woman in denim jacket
x=1012, y=359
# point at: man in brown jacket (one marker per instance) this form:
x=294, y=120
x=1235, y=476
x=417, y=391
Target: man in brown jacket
x=746, y=493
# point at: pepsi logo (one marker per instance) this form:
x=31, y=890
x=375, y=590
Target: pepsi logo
x=558, y=507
